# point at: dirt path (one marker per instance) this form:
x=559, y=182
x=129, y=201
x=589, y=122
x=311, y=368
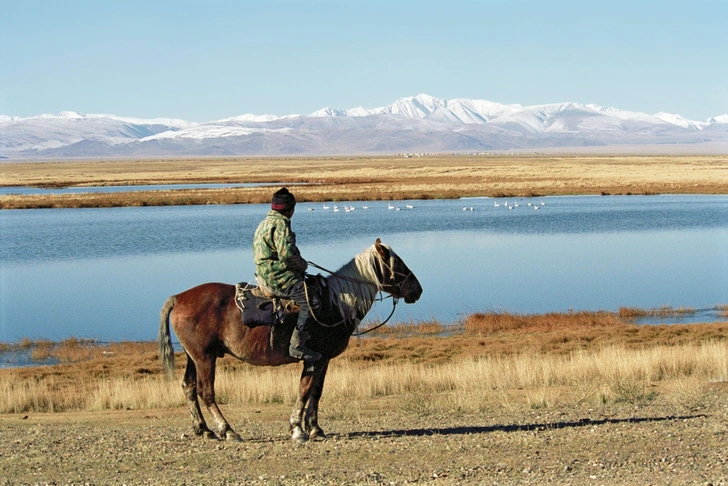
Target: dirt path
x=628, y=445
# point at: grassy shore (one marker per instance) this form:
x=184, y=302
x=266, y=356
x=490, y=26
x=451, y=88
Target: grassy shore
x=367, y=178
x=492, y=360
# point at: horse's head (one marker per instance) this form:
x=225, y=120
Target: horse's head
x=394, y=276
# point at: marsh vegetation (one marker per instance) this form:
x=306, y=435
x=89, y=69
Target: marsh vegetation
x=490, y=360
x=367, y=178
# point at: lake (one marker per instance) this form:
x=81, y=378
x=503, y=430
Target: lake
x=25, y=191
x=105, y=273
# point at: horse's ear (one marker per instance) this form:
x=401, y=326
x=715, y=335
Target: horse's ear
x=380, y=249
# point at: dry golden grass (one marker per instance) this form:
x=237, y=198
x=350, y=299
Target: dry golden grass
x=603, y=375
x=662, y=312
x=494, y=360
x=368, y=178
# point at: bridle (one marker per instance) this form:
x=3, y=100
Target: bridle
x=392, y=274
x=380, y=286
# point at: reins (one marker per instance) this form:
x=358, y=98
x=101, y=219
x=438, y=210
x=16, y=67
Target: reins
x=377, y=285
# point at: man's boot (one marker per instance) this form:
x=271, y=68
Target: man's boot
x=298, y=348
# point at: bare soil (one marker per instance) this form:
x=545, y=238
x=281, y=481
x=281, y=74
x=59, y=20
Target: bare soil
x=652, y=444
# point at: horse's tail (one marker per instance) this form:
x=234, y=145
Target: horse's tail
x=166, y=351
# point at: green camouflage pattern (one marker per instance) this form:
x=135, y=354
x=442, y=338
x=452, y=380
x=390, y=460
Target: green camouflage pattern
x=277, y=259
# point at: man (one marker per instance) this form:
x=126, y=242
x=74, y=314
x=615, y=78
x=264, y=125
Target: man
x=280, y=269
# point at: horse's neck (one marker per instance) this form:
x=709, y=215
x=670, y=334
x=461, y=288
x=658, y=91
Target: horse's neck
x=354, y=286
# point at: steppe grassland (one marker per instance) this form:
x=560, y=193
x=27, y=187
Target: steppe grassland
x=369, y=178
x=611, y=375
x=589, y=359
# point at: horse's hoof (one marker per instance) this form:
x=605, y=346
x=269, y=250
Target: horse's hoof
x=209, y=434
x=299, y=436
x=316, y=433
x=233, y=436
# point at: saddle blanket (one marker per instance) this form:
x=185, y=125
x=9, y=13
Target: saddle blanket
x=258, y=309
x=261, y=309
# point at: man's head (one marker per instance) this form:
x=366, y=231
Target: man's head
x=283, y=201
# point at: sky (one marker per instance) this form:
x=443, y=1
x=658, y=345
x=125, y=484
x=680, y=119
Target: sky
x=204, y=60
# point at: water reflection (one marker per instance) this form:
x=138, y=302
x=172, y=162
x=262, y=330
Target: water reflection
x=104, y=273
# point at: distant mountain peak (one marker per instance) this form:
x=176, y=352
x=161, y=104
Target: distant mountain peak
x=421, y=123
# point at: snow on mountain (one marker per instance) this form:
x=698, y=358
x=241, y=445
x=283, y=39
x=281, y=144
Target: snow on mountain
x=328, y=111
x=255, y=118
x=206, y=131
x=680, y=121
x=52, y=131
x=718, y=119
x=419, y=123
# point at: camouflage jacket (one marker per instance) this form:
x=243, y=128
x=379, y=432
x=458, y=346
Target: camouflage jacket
x=277, y=259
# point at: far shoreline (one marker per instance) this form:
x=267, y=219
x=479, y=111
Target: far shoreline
x=365, y=178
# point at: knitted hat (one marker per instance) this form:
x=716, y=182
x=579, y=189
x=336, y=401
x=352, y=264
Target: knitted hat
x=283, y=200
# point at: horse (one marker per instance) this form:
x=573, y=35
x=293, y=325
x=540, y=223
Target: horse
x=208, y=324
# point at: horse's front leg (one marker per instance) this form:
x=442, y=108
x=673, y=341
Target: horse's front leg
x=309, y=378
x=312, y=425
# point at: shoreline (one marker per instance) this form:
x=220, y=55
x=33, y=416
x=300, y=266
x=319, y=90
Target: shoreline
x=365, y=178
x=610, y=327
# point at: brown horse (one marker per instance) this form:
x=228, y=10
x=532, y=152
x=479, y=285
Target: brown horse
x=208, y=324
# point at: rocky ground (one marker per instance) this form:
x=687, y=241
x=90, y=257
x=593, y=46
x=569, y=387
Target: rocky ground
x=651, y=444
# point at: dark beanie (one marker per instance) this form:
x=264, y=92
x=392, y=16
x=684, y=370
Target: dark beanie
x=283, y=200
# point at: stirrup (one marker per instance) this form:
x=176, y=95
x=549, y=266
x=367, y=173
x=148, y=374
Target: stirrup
x=304, y=354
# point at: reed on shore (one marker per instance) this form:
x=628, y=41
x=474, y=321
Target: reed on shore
x=613, y=374
x=366, y=178
x=491, y=360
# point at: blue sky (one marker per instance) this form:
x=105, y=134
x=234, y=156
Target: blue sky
x=202, y=60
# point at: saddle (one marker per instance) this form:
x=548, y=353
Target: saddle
x=259, y=307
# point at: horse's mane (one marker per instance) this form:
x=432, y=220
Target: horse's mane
x=347, y=292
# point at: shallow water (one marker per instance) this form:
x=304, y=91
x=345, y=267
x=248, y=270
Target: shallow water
x=104, y=273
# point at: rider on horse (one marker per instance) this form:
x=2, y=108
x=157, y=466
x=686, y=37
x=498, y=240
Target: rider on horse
x=281, y=270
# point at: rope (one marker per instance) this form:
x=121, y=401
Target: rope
x=310, y=307
x=394, y=306
x=334, y=274
x=345, y=319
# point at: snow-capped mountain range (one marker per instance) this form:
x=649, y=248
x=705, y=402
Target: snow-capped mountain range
x=413, y=124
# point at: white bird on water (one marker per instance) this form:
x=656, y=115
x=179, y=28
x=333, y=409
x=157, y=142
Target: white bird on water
x=409, y=206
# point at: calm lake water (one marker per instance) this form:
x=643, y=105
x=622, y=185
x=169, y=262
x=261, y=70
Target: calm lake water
x=24, y=191
x=105, y=273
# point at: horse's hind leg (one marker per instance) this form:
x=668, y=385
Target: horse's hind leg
x=189, y=385
x=206, y=390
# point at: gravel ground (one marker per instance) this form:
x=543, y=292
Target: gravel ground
x=652, y=444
